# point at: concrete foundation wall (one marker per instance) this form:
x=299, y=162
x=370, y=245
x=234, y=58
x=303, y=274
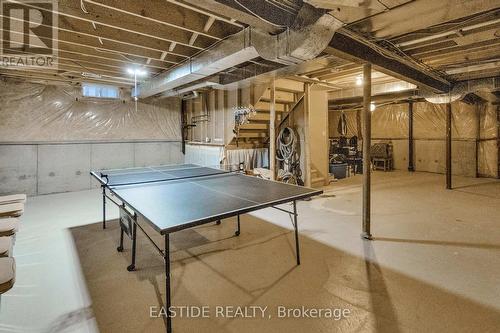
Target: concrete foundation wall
x=37, y=169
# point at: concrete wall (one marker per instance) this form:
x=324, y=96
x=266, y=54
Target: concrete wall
x=51, y=137
x=37, y=169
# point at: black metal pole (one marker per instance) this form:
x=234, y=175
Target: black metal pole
x=134, y=244
x=183, y=126
x=478, y=135
x=367, y=132
x=448, y=146
x=498, y=141
x=103, y=206
x=295, y=224
x=411, y=162
x=237, y=233
x=120, y=247
x=167, y=283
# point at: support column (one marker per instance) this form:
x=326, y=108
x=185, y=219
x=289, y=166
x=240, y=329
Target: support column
x=498, y=141
x=478, y=134
x=448, y=146
x=307, y=144
x=272, y=131
x=367, y=123
x=411, y=162
x=184, y=128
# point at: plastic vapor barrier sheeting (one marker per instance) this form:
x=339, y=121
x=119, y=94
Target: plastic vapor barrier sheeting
x=36, y=112
x=334, y=118
x=488, y=150
x=390, y=123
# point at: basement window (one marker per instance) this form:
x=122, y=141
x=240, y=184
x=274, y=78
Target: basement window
x=100, y=91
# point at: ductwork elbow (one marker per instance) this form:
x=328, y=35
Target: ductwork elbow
x=305, y=40
x=309, y=41
x=309, y=35
x=461, y=89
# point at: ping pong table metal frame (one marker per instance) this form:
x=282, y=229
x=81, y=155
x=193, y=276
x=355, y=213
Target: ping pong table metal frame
x=165, y=253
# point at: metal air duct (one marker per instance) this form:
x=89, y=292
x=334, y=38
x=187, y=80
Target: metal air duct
x=304, y=40
x=461, y=89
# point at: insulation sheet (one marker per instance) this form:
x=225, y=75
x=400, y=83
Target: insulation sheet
x=36, y=112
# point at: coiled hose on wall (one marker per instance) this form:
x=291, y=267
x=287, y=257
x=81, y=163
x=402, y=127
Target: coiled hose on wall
x=286, y=152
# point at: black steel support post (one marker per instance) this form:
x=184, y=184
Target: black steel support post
x=448, y=146
x=183, y=126
x=296, y=226
x=167, y=283
x=237, y=233
x=134, y=244
x=103, y=206
x=498, y=141
x=411, y=162
x=478, y=135
x=367, y=133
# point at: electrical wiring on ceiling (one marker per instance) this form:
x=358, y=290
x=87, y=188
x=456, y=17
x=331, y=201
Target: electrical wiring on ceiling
x=389, y=54
x=258, y=16
x=453, y=25
x=82, y=6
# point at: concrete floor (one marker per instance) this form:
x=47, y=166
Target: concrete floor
x=433, y=266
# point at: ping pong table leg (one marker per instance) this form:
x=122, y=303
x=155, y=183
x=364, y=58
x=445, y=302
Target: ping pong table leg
x=134, y=243
x=237, y=233
x=120, y=248
x=167, y=283
x=296, y=231
x=103, y=207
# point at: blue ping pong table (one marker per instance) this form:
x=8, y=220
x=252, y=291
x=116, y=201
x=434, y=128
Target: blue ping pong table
x=171, y=198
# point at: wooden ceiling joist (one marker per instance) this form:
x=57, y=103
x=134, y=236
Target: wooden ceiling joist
x=169, y=14
x=71, y=9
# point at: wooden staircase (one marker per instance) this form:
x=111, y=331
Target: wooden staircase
x=256, y=131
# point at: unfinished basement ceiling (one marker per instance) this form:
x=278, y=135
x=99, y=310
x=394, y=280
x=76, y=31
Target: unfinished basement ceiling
x=441, y=41
x=456, y=40
x=98, y=40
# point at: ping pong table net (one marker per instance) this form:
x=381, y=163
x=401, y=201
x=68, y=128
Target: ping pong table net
x=170, y=174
